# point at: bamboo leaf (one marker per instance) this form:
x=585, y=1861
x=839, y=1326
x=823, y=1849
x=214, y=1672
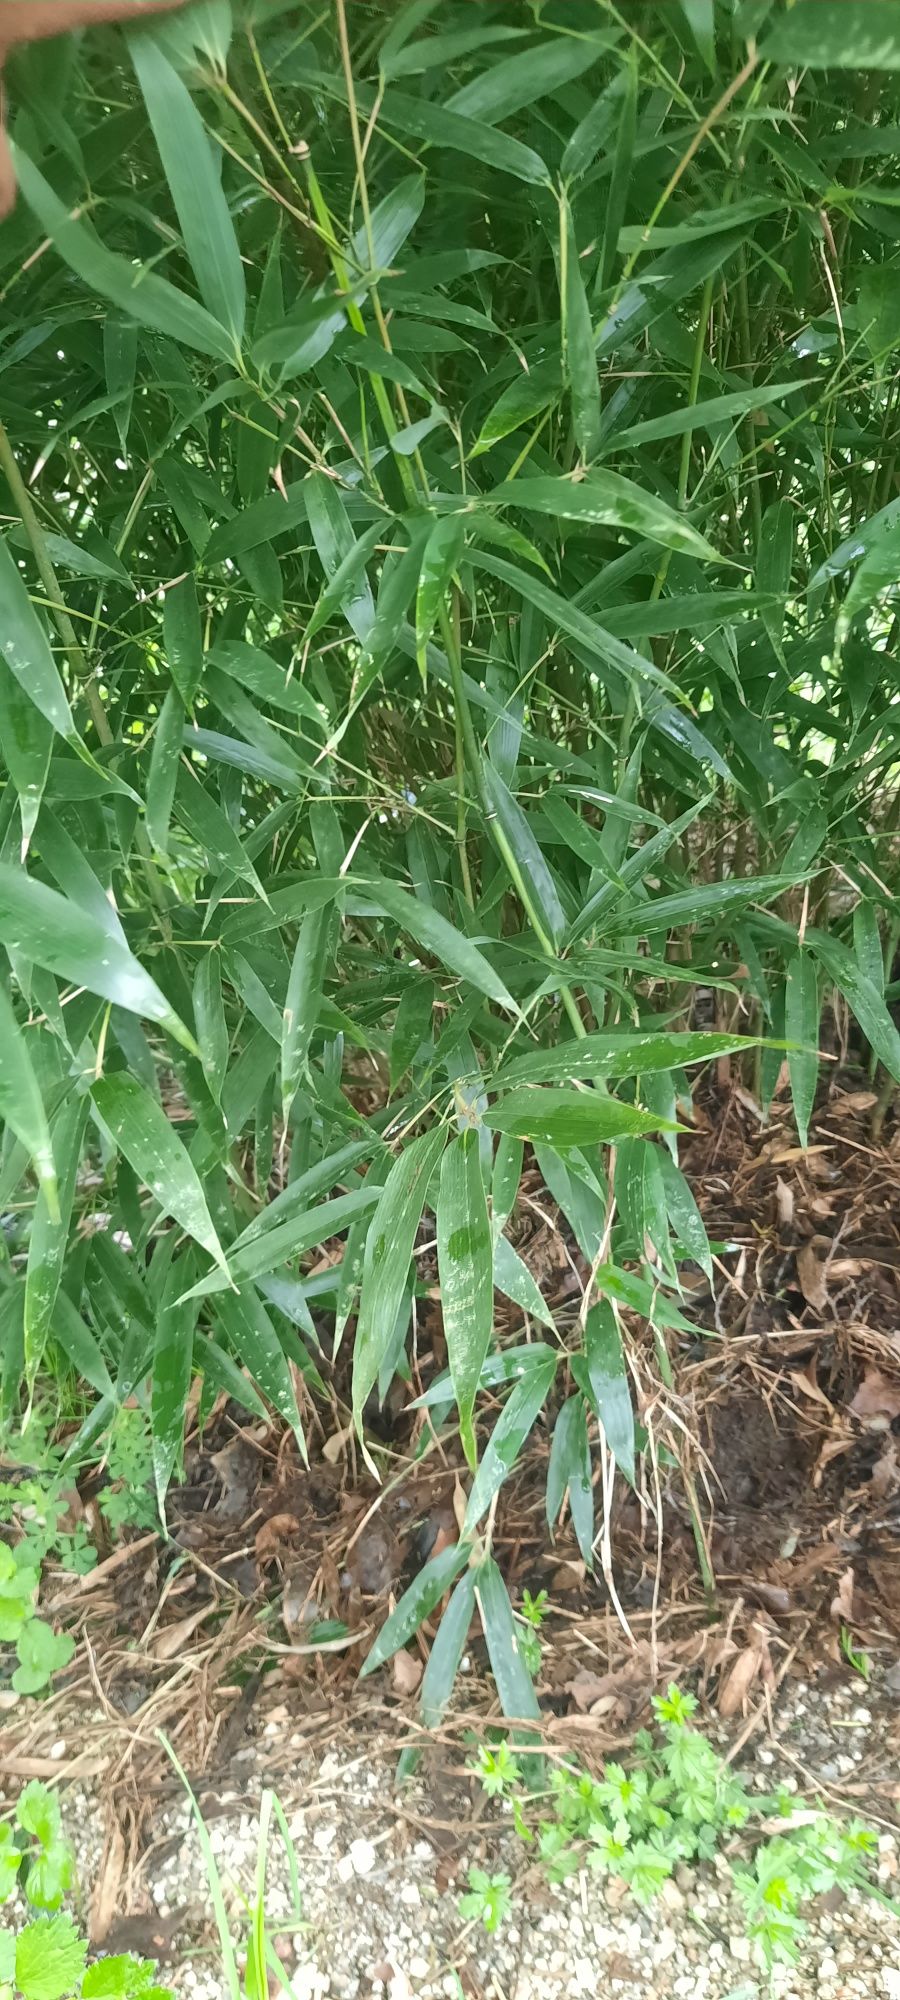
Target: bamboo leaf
x=53, y=932
x=569, y=1471
x=389, y=1249
x=22, y=1106
x=508, y=1436
x=569, y=1117
x=801, y=1025
x=26, y=651
x=141, y=1130
x=194, y=185
x=48, y=1242
x=183, y=638
x=439, y=559
x=837, y=34
x=301, y=1007
x=605, y=499
x=465, y=1273
x=150, y=300
x=416, y=1604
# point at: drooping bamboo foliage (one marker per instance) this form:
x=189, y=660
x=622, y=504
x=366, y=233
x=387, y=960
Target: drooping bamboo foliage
x=446, y=684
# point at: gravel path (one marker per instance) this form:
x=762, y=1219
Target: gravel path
x=380, y=1874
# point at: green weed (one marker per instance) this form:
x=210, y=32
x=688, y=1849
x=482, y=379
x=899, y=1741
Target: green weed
x=676, y=1801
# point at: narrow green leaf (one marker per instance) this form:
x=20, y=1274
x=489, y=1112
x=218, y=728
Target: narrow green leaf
x=508, y=1436
x=616, y=1052
x=569, y=1117
x=335, y=541
x=412, y=1027
x=687, y=1223
x=621, y=174
x=389, y=1250
x=173, y=1368
x=581, y=360
x=183, y=637
x=194, y=185
x=250, y=1332
x=867, y=944
x=455, y=952
x=21, y=1103
x=774, y=563
x=515, y=81
x=801, y=1024
x=593, y=130
x=605, y=499
x=27, y=739
x=514, y=1685
x=505, y=1180
x=836, y=34
x=569, y=1471
x=48, y=1242
x=416, y=1604
x=209, y=1018
x=26, y=649
x=377, y=245
x=440, y=126
x=301, y=1007
x=152, y=1147
x=79, y=1345
x=54, y=933
x=609, y=1385
x=513, y=1278
x=212, y=830
x=641, y=1200
x=537, y=879
x=710, y=414
x=120, y=360
x=440, y=557
x=465, y=1274
x=447, y=1651
x=162, y=776
x=150, y=300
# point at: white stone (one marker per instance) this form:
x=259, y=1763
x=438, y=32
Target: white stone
x=740, y=1948
x=418, y=1968
x=363, y=1857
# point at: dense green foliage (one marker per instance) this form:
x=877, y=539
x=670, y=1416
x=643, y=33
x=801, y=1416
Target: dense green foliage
x=446, y=686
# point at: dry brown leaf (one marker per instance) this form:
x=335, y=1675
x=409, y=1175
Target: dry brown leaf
x=785, y=1156
x=842, y=1602
x=739, y=1681
x=804, y=1380
x=784, y=1203
x=886, y=1474
x=333, y=1446
x=406, y=1672
x=273, y=1534
x=108, y=1883
x=773, y=1597
x=877, y=1400
x=587, y=1688
x=171, y=1641
x=812, y=1278
x=446, y=1538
